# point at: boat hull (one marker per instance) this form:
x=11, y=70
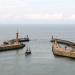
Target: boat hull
x=27, y=53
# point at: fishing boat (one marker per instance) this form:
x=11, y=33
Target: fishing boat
x=28, y=51
x=12, y=45
x=59, y=51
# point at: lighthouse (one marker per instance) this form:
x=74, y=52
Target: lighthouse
x=17, y=42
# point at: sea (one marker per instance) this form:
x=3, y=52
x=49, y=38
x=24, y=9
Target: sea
x=41, y=61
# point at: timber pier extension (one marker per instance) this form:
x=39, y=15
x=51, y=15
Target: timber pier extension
x=65, y=42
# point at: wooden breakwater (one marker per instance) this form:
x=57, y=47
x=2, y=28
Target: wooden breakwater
x=68, y=43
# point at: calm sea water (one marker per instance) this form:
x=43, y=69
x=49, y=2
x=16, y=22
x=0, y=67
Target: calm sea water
x=42, y=60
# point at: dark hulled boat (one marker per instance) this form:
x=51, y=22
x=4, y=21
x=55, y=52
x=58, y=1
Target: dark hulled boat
x=28, y=51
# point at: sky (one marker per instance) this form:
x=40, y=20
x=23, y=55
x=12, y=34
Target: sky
x=37, y=11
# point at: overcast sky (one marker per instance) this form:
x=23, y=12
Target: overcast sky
x=37, y=11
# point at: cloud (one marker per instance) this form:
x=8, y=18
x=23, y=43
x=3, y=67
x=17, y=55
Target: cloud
x=18, y=10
